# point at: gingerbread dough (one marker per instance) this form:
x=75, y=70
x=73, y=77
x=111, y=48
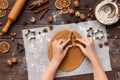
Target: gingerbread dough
x=74, y=56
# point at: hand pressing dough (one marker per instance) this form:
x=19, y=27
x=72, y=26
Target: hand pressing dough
x=74, y=56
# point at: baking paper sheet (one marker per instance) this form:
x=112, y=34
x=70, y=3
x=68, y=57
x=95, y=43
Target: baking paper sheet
x=37, y=55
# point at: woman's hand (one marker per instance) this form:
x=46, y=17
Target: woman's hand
x=87, y=47
x=58, y=50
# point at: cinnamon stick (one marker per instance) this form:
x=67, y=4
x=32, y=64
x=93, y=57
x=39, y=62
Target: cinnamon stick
x=42, y=15
x=39, y=10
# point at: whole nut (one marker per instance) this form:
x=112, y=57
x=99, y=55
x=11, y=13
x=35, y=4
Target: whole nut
x=15, y=34
x=24, y=23
x=50, y=19
x=0, y=23
x=12, y=34
x=12, y=38
x=92, y=16
x=45, y=30
x=14, y=60
x=88, y=15
x=77, y=13
x=71, y=12
x=32, y=19
x=90, y=9
x=100, y=45
x=51, y=28
x=82, y=16
x=9, y=63
x=76, y=3
x=1, y=34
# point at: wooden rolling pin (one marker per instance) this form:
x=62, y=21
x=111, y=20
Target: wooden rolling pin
x=14, y=13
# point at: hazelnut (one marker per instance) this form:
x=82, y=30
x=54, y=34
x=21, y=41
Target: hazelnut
x=92, y=16
x=14, y=60
x=25, y=23
x=0, y=23
x=51, y=28
x=77, y=13
x=45, y=30
x=12, y=38
x=116, y=37
x=12, y=34
x=1, y=34
x=32, y=19
x=76, y=3
x=88, y=15
x=50, y=19
x=71, y=12
x=15, y=34
x=106, y=43
x=82, y=16
x=9, y=63
x=90, y=9
x=100, y=45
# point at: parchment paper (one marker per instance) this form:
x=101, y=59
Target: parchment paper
x=37, y=56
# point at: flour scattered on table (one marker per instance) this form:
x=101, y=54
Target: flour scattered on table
x=37, y=55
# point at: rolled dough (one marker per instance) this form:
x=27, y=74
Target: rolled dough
x=74, y=56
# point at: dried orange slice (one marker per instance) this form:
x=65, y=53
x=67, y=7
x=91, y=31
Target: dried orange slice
x=2, y=12
x=57, y=4
x=65, y=3
x=65, y=10
x=4, y=4
x=4, y=47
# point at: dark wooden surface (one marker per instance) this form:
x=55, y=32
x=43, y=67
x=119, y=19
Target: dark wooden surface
x=19, y=71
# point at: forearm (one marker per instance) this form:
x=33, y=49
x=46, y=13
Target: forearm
x=99, y=73
x=50, y=71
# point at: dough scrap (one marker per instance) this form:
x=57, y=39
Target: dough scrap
x=74, y=56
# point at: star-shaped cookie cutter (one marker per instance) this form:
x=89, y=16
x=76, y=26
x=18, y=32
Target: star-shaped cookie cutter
x=99, y=34
x=29, y=32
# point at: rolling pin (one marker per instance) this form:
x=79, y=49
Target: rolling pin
x=14, y=13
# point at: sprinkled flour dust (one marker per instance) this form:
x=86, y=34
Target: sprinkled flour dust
x=37, y=57
x=55, y=14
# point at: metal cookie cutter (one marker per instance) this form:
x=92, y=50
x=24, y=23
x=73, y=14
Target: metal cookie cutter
x=20, y=48
x=90, y=32
x=99, y=34
x=29, y=33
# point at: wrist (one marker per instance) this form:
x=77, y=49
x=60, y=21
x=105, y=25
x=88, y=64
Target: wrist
x=92, y=57
x=54, y=62
x=94, y=60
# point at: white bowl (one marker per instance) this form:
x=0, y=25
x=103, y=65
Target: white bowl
x=106, y=12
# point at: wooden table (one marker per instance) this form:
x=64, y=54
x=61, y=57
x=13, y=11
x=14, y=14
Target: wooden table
x=19, y=71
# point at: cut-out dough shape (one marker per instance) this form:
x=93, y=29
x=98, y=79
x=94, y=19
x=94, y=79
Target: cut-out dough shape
x=74, y=56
